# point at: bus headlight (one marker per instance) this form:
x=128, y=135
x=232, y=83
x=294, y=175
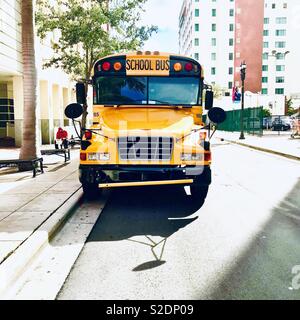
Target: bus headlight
x=191, y=156
x=94, y=156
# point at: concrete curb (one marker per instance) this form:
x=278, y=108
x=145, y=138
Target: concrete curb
x=15, y=264
x=289, y=156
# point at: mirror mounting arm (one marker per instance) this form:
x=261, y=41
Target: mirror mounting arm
x=78, y=135
x=102, y=135
x=214, y=130
x=195, y=130
x=207, y=87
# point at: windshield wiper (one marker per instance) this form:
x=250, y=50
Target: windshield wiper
x=153, y=100
x=163, y=102
x=132, y=101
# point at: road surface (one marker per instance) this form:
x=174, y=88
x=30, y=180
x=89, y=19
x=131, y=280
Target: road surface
x=152, y=243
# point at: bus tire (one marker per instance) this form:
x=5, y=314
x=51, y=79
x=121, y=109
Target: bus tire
x=198, y=193
x=91, y=190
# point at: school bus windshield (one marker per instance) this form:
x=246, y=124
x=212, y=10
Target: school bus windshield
x=120, y=90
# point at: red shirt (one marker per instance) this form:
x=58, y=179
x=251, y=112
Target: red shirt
x=59, y=134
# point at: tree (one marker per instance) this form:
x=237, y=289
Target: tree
x=90, y=30
x=30, y=147
x=218, y=91
x=266, y=113
x=289, y=107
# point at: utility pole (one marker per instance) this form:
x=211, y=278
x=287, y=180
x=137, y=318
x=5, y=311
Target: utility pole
x=243, y=68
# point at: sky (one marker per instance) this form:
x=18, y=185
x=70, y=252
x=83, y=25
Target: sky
x=164, y=14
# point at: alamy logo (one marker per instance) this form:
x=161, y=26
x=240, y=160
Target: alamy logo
x=296, y=279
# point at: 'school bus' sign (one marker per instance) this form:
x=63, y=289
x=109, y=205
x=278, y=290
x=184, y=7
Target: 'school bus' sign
x=147, y=66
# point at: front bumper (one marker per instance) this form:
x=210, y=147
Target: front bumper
x=93, y=174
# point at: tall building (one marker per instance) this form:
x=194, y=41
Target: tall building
x=248, y=39
x=281, y=50
x=206, y=33
x=55, y=89
x=223, y=33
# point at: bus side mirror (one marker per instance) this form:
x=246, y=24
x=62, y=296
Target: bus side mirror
x=216, y=115
x=209, y=100
x=73, y=110
x=80, y=93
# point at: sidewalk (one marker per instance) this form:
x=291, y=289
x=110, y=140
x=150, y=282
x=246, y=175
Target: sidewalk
x=282, y=144
x=28, y=204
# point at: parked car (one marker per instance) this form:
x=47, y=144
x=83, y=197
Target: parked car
x=281, y=125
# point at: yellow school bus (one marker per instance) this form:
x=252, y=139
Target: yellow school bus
x=147, y=124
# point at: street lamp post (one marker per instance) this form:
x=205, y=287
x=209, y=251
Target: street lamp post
x=243, y=77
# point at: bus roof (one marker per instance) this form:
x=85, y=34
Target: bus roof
x=149, y=55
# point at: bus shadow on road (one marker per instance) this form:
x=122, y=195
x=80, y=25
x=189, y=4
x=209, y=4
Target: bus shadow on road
x=141, y=215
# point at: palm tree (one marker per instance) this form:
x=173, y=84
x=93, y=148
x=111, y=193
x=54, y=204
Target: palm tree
x=30, y=146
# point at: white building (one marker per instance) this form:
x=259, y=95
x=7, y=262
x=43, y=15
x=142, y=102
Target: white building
x=208, y=29
x=206, y=33
x=276, y=46
x=55, y=89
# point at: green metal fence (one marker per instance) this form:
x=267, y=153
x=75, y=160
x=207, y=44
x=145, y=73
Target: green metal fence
x=253, y=121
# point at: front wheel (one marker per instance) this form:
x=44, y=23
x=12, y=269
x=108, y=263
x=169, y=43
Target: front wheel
x=198, y=193
x=91, y=190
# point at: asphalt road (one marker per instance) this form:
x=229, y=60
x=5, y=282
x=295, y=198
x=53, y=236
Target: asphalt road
x=152, y=243
x=243, y=243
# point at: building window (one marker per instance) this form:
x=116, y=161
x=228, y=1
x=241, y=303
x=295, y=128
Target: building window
x=196, y=56
x=213, y=70
x=231, y=42
x=265, y=68
x=213, y=27
x=265, y=56
x=213, y=42
x=231, y=12
x=280, y=68
x=281, y=20
x=266, y=20
x=264, y=79
x=284, y=5
x=279, y=44
x=196, y=41
x=279, y=91
x=230, y=56
x=264, y=91
x=266, y=33
x=231, y=27
x=214, y=12
x=266, y=44
x=196, y=12
x=196, y=26
x=230, y=85
x=213, y=56
x=281, y=32
x=273, y=5
x=230, y=70
x=279, y=79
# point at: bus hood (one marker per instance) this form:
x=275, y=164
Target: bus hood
x=169, y=120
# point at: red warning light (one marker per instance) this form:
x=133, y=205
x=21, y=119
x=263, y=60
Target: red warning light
x=188, y=66
x=106, y=66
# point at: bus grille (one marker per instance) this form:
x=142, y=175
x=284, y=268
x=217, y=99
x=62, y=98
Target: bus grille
x=145, y=148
